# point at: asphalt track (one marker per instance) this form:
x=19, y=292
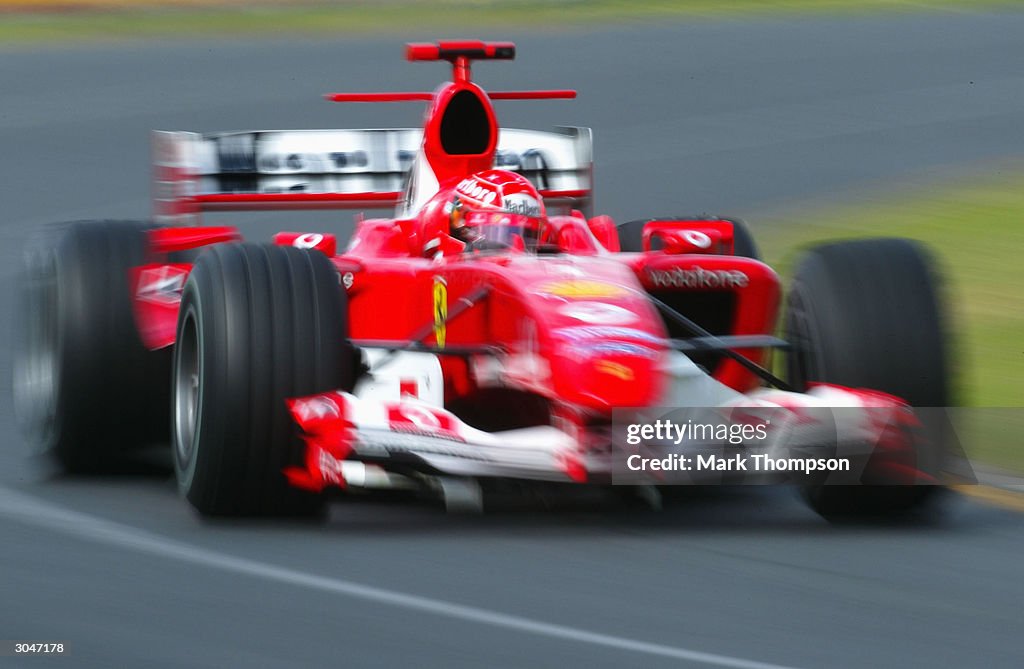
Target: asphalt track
x=736, y=117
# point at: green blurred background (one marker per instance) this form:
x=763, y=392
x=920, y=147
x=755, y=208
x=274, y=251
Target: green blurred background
x=32, y=20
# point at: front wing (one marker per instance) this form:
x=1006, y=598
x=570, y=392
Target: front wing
x=409, y=436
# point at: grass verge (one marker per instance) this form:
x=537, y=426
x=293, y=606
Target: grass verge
x=28, y=21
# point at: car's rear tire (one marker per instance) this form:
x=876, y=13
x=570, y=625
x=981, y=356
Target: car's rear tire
x=868, y=314
x=86, y=388
x=631, y=235
x=258, y=324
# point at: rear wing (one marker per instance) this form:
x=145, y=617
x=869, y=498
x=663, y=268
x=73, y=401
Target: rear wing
x=341, y=169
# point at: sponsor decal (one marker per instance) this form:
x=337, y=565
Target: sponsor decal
x=697, y=277
x=697, y=238
x=319, y=407
x=440, y=293
x=521, y=204
x=581, y=290
x=413, y=419
x=422, y=418
x=588, y=332
x=616, y=348
x=162, y=285
x=616, y=369
x=476, y=190
x=599, y=313
x=310, y=240
x=408, y=387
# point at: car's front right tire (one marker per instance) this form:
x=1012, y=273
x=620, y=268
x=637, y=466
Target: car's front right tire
x=258, y=324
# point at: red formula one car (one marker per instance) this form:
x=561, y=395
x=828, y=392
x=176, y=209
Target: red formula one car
x=492, y=329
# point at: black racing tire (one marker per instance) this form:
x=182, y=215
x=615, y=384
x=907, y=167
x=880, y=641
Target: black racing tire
x=869, y=314
x=86, y=389
x=258, y=324
x=631, y=235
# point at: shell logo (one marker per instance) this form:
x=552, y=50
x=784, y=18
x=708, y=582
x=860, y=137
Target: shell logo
x=582, y=290
x=616, y=369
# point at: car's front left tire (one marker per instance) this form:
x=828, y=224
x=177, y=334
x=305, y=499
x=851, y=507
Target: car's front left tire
x=259, y=324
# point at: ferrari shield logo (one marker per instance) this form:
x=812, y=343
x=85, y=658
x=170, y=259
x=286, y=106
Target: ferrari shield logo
x=440, y=311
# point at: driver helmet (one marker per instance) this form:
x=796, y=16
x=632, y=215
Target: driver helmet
x=495, y=209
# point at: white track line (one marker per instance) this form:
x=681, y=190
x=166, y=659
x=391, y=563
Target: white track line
x=26, y=509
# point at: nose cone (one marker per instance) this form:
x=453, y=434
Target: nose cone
x=611, y=372
x=608, y=342
x=599, y=341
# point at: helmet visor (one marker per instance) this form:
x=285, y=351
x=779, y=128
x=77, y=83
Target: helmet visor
x=500, y=230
